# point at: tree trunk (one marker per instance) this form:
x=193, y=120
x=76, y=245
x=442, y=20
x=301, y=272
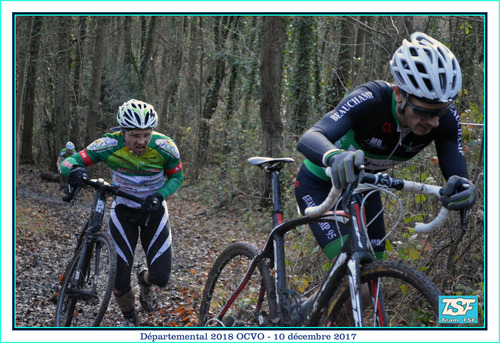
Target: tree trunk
x=251, y=69
x=360, y=53
x=61, y=106
x=146, y=53
x=271, y=69
x=341, y=79
x=231, y=90
x=215, y=81
x=29, y=100
x=172, y=65
x=21, y=58
x=95, y=88
x=301, y=100
x=76, y=115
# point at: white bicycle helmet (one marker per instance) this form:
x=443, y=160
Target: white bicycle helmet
x=427, y=69
x=135, y=114
x=70, y=146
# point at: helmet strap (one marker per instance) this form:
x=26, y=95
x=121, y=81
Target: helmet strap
x=401, y=107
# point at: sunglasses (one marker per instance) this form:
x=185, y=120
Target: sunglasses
x=427, y=113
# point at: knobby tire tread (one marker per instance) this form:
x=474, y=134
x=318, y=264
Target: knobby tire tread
x=230, y=252
x=104, y=238
x=391, y=269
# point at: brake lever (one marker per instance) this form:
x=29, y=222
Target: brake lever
x=149, y=213
x=463, y=211
x=71, y=197
x=347, y=194
x=463, y=218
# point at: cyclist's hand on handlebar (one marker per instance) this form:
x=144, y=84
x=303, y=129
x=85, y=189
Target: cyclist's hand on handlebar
x=152, y=203
x=459, y=193
x=76, y=175
x=343, y=167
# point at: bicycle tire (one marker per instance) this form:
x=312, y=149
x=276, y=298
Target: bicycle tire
x=78, y=304
x=225, y=276
x=409, y=299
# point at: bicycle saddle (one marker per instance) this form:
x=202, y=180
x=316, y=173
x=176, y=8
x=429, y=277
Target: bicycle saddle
x=274, y=162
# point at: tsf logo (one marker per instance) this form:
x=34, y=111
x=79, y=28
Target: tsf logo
x=458, y=309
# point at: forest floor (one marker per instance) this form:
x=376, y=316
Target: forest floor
x=46, y=228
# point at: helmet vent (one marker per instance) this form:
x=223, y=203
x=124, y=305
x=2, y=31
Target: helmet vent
x=135, y=114
x=426, y=69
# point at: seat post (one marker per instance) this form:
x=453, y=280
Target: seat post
x=273, y=167
x=276, y=193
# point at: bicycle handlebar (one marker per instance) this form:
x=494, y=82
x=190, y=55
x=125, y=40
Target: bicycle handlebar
x=102, y=185
x=109, y=189
x=385, y=181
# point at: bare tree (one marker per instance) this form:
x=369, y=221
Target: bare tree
x=78, y=60
x=221, y=29
x=62, y=97
x=271, y=70
x=21, y=57
x=95, y=89
x=29, y=100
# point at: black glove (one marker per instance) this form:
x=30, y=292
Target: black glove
x=344, y=167
x=459, y=193
x=76, y=175
x=152, y=203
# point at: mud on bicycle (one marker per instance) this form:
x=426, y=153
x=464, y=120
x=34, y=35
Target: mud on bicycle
x=248, y=287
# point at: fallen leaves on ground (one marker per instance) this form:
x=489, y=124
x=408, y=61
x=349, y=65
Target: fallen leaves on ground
x=45, y=237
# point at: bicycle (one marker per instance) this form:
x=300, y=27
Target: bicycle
x=89, y=278
x=247, y=287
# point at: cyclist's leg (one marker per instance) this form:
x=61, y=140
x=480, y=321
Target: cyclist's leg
x=311, y=190
x=125, y=236
x=156, y=241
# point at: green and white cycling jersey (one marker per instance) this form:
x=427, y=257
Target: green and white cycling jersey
x=138, y=175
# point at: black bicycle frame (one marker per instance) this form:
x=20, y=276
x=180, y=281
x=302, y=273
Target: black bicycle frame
x=356, y=250
x=87, y=235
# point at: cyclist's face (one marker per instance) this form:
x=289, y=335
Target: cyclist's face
x=420, y=117
x=137, y=140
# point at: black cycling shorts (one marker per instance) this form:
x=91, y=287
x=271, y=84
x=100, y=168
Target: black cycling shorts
x=311, y=190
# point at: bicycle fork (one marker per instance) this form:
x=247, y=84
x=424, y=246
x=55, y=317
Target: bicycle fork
x=355, y=289
x=83, y=265
x=362, y=252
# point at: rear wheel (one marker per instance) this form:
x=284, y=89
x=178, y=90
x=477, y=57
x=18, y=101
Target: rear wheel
x=85, y=293
x=254, y=306
x=395, y=295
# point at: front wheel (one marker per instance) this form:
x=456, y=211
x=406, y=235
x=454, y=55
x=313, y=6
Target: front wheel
x=85, y=292
x=393, y=295
x=254, y=306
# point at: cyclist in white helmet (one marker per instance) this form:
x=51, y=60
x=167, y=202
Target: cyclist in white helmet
x=68, y=150
x=379, y=125
x=146, y=164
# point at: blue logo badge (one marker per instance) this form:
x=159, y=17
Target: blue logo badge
x=461, y=309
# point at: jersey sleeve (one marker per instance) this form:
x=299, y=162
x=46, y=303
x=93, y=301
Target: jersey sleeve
x=172, y=166
x=97, y=151
x=319, y=141
x=449, y=147
x=68, y=163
